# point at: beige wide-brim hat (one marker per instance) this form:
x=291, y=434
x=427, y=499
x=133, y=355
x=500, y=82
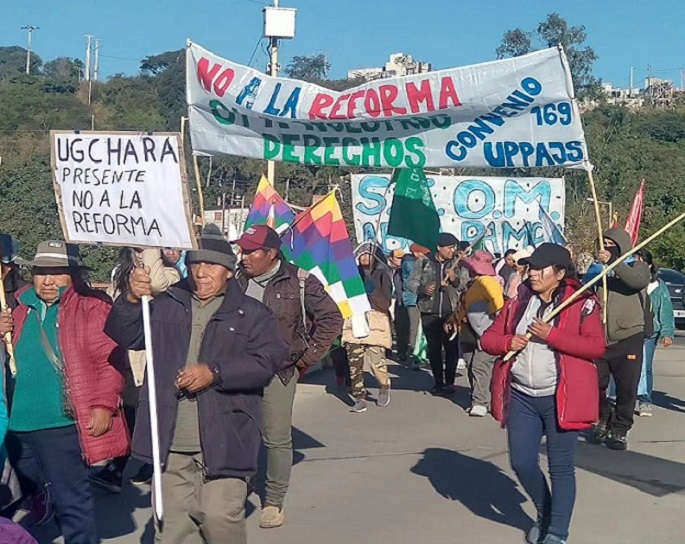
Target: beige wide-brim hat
x=55, y=254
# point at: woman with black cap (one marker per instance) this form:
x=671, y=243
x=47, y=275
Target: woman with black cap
x=550, y=388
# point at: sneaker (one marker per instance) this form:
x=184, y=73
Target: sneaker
x=144, y=476
x=533, y=534
x=551, y=539
x=109, y=478
x=438, y=390
x=478, y=410
x=644, y=409
x=599, y=434
x=617, y=440
x=271, y=517
x=359, y=406
x=35, y=510
x=461, y=364
x=383, y=396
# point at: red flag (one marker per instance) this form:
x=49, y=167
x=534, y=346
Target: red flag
x=635, y=215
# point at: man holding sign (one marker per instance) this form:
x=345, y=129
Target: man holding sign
x=217, y=350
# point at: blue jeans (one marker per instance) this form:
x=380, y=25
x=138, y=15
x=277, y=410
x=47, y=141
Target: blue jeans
x=528, y=420
x=646, y=385
x=53, y=457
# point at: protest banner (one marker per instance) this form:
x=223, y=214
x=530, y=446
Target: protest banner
x=503, y=212
x=122, y=188
x=517, y=112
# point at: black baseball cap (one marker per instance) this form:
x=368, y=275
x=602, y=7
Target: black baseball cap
x=547, y=255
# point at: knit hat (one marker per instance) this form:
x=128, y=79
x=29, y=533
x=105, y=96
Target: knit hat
x=213, y=250
x=445, y=239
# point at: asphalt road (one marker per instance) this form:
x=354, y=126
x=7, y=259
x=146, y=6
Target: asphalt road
x=421, y=470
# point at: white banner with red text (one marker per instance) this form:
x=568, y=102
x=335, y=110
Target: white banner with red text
x=517, y=112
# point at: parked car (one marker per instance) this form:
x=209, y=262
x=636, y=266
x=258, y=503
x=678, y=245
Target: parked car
x=675, y=281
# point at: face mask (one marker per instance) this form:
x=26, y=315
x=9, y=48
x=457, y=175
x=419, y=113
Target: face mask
x=615, y=251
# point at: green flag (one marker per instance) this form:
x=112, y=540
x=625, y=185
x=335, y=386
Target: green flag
x=413, y=214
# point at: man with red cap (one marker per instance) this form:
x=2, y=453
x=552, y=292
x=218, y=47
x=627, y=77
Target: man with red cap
x=297, y=299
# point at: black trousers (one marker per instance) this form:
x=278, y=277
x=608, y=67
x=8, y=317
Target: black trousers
x=437, y=339
x=623, y=361
x=341, y=365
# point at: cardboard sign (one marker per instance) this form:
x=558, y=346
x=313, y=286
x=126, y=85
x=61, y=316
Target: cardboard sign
x=122, y=189
x=517, y=112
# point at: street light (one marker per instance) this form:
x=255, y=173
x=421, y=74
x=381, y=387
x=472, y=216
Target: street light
x=603, y=203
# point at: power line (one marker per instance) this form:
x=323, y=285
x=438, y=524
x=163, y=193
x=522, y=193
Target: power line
x=259, y=40
x=119, y=58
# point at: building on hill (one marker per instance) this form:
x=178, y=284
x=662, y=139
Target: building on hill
x=398, y=65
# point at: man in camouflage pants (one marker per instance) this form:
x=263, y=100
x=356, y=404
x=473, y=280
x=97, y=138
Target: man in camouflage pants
x=378, y=285
x=375, y=355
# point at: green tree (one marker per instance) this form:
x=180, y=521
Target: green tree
x=313, y=68
x=13, y=61
x=555, y=30
x=515, y=43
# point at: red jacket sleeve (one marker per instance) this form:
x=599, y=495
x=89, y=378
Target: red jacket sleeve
x=590, y=343
x=495, y=340
x=106, y=357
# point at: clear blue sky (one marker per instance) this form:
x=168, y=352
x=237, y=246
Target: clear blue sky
x=354, y=33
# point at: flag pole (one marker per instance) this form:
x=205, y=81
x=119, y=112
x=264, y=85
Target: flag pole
x=154, y=424
x=200, y=194
x=8, y=336
x=600, y=238
x=602, y=276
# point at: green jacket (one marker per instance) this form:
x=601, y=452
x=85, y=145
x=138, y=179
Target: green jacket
x=664, y=321
x=625, y=315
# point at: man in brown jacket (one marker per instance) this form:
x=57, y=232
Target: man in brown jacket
x=298, y=300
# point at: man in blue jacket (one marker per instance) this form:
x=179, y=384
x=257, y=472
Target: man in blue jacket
x=215, y=350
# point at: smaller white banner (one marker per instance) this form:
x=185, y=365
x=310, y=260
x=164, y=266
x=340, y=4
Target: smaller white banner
x=126, y=189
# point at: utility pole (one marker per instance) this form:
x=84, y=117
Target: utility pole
x=29, y=29
x=630, y=94
x=96, y=64
x=88, y=40
x=273, y=71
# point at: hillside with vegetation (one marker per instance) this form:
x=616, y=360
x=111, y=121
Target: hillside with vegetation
x=624, y=146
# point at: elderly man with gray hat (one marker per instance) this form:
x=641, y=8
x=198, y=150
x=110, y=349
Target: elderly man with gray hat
x=66, y=395
x=215, y=350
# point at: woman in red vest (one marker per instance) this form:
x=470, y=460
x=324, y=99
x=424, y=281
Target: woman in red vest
x=550, y=388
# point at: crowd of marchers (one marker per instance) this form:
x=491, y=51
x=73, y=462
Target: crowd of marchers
x=233, y=327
